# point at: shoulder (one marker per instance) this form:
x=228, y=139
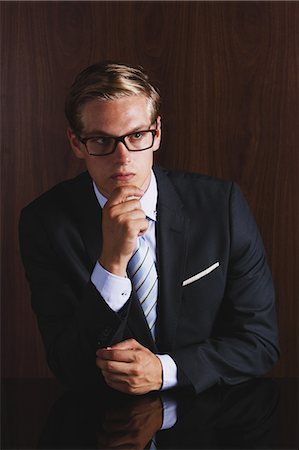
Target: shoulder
x=65, y=203
x=191, y=177
x=60, y=195
x=191, y=186
x=182, y=178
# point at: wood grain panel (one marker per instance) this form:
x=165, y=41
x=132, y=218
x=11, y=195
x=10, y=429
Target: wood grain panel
x=228, y=74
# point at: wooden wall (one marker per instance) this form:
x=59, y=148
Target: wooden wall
x=229, y=76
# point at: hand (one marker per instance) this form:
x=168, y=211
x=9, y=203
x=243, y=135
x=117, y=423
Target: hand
x=123, y=221
x=130, y=368
x=131, y=426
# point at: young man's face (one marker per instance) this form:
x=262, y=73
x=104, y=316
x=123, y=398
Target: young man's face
x=117, y=118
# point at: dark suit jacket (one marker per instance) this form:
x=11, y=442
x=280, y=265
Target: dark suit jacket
x=218, y=329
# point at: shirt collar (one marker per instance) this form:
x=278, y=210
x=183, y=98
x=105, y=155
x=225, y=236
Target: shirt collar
x=148, y=200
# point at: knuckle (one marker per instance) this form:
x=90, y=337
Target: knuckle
x=136, y=204
x=133, y=388
x=138, y=356
x=112, y=214
x=110, y=365
x=130, y=390
x=136, y=372
x=117, y=219
x=127, y=226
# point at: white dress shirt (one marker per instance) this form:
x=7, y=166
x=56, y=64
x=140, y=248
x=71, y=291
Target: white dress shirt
x=116, y=290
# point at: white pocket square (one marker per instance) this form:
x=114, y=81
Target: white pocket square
x=201, y=274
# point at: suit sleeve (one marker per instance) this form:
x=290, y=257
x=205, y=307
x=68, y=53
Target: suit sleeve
x=244, y=341
x=72, y=317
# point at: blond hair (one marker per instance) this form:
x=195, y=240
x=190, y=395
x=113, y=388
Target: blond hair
x=108, y=81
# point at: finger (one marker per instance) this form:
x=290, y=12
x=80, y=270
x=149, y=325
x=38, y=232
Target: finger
x=127, y=388
x=121, y=208
x=114, y=367
x=118, y=351
x=123, y=193
x=118, y=356
x=128, y=218
x=110, y=354
x=116, y=377
x=127, y=344
x=140, y=225
x=133, y=221
x=130, y=384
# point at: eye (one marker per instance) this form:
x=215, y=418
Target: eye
x=101, y=140
x=138, y=135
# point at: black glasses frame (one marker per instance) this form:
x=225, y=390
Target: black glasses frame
x=118, y=139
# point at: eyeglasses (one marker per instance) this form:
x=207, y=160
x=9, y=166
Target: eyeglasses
x=106, y=145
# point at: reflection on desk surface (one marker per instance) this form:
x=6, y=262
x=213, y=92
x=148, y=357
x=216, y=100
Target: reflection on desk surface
x=246, y=416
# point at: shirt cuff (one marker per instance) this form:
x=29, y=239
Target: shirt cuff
x=170, y=414
x=115, y=290
x=170, y=372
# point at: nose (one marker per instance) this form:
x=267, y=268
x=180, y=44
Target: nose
x=121, y=153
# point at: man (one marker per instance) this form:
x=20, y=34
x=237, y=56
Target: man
x=202, y=310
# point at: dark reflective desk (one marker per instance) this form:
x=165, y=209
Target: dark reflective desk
x=261, y=414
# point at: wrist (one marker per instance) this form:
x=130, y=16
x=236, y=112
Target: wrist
x=118, y=268
x=160, y=371
x=169, y=371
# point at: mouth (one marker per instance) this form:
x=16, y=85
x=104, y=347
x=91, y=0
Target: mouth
x=123, y=176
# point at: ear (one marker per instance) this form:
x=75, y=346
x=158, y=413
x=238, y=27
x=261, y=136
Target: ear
x=158, y=134
x=75, y=144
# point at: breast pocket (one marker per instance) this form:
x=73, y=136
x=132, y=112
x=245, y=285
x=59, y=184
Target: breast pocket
x=201, y=274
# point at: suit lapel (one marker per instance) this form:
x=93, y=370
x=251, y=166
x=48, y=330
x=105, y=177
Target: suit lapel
x=171, y=236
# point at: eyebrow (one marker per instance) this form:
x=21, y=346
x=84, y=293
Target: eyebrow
x=104, y=133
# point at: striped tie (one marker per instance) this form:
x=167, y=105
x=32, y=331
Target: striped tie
x=143, y=274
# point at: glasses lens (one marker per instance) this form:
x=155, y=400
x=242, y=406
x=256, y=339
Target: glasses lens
x=141, y=140
x=100, y=145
